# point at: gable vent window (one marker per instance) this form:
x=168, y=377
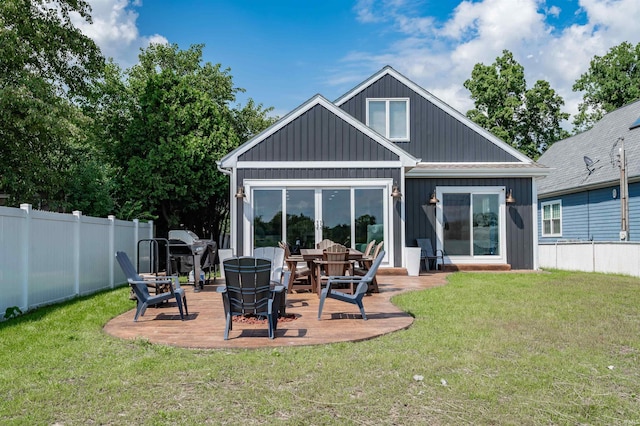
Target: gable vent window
x=389, y=117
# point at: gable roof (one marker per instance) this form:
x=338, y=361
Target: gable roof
x=600, y=144
x=231, y=159
x=464, y=120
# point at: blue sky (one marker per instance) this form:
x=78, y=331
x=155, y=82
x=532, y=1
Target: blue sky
x=284, y=52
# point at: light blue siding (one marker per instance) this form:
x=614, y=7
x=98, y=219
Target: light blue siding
x=594, y=215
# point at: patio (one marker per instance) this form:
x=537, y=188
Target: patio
x=204, y=327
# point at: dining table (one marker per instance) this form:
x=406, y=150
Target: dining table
x=309, y=256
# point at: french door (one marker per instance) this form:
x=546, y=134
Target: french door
x=304, y=216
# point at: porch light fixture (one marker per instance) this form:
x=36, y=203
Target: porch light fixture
x=395, y=193
x=433, y=200
x=240, y=193
x=510, y=199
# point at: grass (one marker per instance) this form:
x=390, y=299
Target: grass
x=526, y=349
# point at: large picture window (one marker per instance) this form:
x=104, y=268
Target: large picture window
x=552, y=219
x=389, y=117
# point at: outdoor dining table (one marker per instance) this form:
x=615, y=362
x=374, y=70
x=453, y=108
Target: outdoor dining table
x=309, y=256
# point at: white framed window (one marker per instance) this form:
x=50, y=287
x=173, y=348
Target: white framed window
x=471, y=224
x=552, y=219
x=389, y=117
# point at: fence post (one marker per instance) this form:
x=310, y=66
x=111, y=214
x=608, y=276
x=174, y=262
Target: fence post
x=26, y=245
x=136, y=231
x=76, y=251
x=112, y=249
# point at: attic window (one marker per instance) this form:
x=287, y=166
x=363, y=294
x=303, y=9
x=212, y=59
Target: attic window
x=635, y=124
x=389, y=117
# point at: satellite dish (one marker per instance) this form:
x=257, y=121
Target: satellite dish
x=589, y=164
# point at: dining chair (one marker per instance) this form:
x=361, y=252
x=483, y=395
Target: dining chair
x=300, y=274
x=366, y=265
x=335, y=262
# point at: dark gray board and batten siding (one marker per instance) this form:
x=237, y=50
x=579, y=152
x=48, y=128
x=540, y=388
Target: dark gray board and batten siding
x=435, y=135
x=519, y=216
x=319, y=135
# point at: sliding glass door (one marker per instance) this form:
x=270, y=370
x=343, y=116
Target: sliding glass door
x=350, y=216
x=471, y=223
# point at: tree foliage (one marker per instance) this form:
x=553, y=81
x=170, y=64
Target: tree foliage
x=46, y=67
x=165, y=122
x=612, y=81
x=528, y=119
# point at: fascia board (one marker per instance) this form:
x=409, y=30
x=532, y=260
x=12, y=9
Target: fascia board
x=478, y=171
x=440, y=104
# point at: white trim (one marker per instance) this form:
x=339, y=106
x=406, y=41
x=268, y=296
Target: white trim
x=387, y=70
x=502, y=220
x=387, y=113
x=550, y=203
x=534, y=215
x=314, y=183
x=476, y=170
x=317, y=164
x=230, y=160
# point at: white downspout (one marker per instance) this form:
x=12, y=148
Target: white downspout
x=232, y=207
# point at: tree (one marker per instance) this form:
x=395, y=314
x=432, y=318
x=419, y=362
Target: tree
x=47, y=66
x=611, y=82
x=529, y=120
x=165, y=122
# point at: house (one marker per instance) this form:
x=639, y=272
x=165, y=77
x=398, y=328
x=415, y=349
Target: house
x=583, y=196
x=366, y=167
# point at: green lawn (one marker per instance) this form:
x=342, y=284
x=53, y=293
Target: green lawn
x=516, y=349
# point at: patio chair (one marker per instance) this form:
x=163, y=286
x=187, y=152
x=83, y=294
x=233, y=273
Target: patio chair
x=248, y=292
x=139, y=286
x=334, y=262
x=300, y=274
x=276, y=256
x=366, y=263
x=427, y=255
x=324, y=244
x=355, y=298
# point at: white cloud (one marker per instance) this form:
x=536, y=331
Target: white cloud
x=115, y=31
x=439, y=55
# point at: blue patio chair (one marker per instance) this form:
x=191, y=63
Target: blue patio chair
x=358, y=294
x=248, y=291
x=427, y=254
x=139, y=286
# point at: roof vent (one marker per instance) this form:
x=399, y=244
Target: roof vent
x=635, y=124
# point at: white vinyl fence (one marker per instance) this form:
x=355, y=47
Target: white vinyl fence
x=49, y=257
x=592, y=256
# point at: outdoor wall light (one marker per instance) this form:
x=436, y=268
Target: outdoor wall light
x=240, y=193
x=510, y=199
x=395, y=193
x=433, y=200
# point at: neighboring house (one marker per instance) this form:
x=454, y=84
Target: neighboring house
x=366, y=166
x=581, y=198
